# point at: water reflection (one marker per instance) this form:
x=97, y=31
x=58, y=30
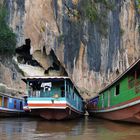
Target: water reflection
x=105, y=130
x=83, y=129
x=71, y=127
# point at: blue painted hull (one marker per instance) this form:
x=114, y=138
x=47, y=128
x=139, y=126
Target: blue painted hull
x=10, y=106
x=7, y=113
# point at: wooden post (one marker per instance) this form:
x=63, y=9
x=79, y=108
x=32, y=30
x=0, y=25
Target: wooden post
x=2, y=101
x=65, y=87
x=27, y=87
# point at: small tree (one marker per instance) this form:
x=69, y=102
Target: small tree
x=138, y=1
x=7, y=37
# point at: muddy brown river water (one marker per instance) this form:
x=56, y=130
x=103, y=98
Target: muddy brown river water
x=83, y=129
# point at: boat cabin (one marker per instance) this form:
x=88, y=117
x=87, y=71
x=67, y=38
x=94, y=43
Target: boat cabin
x=54, y=89
x=50, y=87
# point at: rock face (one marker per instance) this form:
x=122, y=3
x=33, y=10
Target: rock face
x=63, y=43
x=10, y=76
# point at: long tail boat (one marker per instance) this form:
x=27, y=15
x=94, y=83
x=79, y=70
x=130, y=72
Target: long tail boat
x=10, y=106
x=120, y=100
x=53, y=98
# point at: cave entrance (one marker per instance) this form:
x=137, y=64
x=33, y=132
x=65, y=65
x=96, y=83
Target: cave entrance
x=24, y=55
x=25, y=48
x=56, y=66
x=49, y=62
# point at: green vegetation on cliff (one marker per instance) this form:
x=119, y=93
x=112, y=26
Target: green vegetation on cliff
x=96, y=11
x=92, y=11
x=138, y=1
x=7, y=37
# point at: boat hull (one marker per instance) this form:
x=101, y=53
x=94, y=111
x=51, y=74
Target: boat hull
x=128, y=114
x=53, y=109
x=56, y=114
x=59, y=114
x=6, y=113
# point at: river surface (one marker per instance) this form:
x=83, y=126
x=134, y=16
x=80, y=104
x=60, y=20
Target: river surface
x=83, y=129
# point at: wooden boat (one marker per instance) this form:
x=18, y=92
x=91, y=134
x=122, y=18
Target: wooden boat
x=10, y=106
x=53, y=98
x=121, y=99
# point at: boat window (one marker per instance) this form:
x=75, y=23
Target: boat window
x=21, y=105
x=117, y=90
x=30, y=91
x=62, y=92
x=67, y=90
x=5, y=102
x=15, y=104
x=137, y=73
x=137, y=80
x=73, y=95
x=131, y=80
x=25, y=101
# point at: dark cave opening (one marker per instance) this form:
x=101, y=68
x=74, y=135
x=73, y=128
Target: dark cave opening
x=24, y=55
x=56, y=65
x=25, y=48
x=44, y=49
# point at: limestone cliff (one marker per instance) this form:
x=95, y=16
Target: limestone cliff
x=64, y=43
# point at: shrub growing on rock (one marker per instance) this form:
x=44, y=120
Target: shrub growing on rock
x=7, y=37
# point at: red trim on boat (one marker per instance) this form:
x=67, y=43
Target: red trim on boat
x=46, y=105
x=54, y=105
